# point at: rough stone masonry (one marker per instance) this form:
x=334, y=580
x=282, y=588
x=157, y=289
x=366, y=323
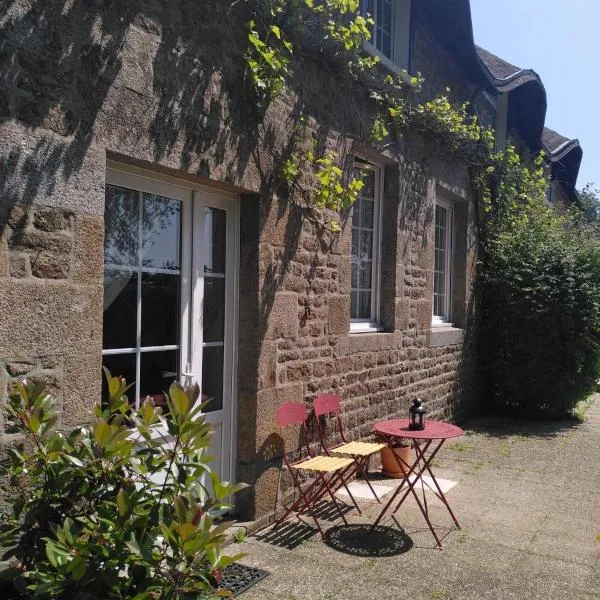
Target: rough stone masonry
x=158, y=85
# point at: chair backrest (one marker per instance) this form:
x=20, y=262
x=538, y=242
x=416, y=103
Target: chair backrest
x=324, y=405
x=294, y=413
x=290, y=413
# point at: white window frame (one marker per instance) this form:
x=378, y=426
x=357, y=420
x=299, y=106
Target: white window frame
x=372, y=324
x=445, y=319
x=399, y=58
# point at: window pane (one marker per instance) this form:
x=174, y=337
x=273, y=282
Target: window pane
x=368, y=190
x=121, y=218
x=386, y=44
x=354, y=282
x=161, y=231
x=366, y=219
x=214, y=309
x=212, y=377
x=366, y=244
x=364, y=308
x=120, y=309
x=440, y=279
x=215, y=231
x=158, y=370
x=120, y=365
x=354, y=306
x=160, y=309
x=365, y=275
x=386, y=21
x=441, y=275
x=355, y=243
x=356, y=214
x=440, y=216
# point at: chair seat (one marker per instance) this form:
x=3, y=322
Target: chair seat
x=358, y=448
x=324, y=464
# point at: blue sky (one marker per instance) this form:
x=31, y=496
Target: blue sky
x=561, y=42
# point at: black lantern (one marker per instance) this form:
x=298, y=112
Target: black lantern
x=416, y=415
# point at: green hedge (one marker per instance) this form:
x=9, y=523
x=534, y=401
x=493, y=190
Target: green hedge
x=539, y=326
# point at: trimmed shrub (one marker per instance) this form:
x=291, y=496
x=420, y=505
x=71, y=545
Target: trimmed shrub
x=539, y=309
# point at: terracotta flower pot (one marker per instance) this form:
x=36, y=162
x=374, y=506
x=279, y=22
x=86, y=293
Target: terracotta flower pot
x=389, y=464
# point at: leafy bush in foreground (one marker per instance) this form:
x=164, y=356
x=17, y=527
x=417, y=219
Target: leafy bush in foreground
x=114, y=510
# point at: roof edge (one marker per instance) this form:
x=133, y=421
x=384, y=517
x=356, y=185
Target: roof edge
x=564, y=149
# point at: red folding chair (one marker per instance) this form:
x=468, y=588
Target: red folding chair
x=360, y=452
x=325, y=469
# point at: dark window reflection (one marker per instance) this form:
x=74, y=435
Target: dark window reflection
x=160, y=309
x=354, y=306
x=364, y=310
x=214, y=309
x=215, y=231
x=367, y=207
x=158, y=371
x=212, y=377
x=161, y=230
x=120, y=365
x=120, y=309
x=121, y=218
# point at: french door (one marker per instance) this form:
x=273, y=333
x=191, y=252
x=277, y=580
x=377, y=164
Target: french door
x=170, y=293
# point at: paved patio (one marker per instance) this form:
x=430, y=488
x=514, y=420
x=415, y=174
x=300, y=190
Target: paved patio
x=527, y=497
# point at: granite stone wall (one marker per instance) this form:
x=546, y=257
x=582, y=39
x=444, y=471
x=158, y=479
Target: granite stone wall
x=157, y=84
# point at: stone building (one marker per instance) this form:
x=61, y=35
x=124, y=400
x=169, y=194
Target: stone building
x=141, y=226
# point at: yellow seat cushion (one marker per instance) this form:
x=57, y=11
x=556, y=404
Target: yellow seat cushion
x=324, y=464
x=359, y=448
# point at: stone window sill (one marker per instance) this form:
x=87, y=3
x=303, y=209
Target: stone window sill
x=384, y=60
x=365, y=328
x=444, y=335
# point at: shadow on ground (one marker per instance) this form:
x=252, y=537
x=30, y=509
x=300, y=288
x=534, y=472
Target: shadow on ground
x=498, y=426
x=363, y=540
x=287, y=535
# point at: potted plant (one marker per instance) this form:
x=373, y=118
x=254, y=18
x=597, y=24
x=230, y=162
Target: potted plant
x=398, y=465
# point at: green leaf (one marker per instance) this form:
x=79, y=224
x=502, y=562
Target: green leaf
x=77, y=568
x=57, y=556
x=67, y=527
x=122, y=502
x=73, y=460
x=186, y=530
x=133, y=546
x=179, y=398
x=102, y=433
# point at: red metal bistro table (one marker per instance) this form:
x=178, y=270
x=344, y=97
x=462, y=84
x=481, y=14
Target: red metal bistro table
x=427, y=443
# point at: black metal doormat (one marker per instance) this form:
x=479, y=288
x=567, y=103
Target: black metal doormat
x=237, y=578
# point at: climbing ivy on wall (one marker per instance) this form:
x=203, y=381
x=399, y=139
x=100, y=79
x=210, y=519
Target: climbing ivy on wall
x=279, y=29
x=538, y=284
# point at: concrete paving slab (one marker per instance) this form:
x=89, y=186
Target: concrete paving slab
x=527, y=498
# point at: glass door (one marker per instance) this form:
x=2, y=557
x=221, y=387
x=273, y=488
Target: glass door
x=213, y=319
x=169, y=295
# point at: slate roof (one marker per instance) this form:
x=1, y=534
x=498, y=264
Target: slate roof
x=553, y=141
x=451, y=20
x=498, y=67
